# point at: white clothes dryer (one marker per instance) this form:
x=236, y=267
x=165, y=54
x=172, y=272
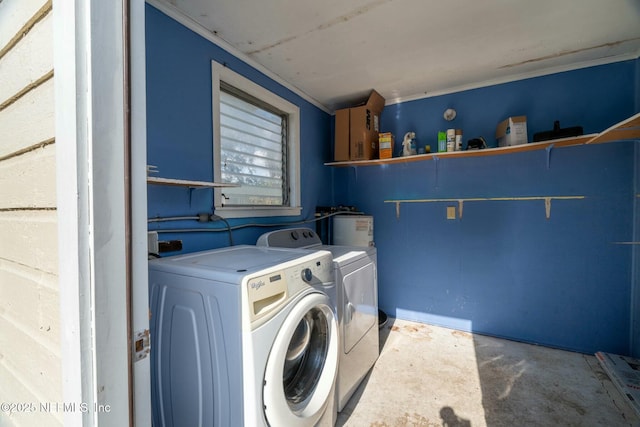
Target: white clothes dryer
x=243, y=336
x=355, y=274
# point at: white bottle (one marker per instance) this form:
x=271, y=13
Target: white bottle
x=458, y=139
x=451, y=140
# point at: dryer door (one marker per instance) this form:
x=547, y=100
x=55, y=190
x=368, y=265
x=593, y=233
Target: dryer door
x=302, y=365
x=360, y=304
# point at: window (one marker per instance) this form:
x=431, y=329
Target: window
x=256, y=145
x=253, y=150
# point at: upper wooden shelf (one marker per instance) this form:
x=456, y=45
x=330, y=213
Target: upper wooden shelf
x=628, y=129
x=625, y=130
x=186, y=183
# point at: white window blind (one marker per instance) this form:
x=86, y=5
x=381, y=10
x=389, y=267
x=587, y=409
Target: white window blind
x=253, y=150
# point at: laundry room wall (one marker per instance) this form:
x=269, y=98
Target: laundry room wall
x=503, y=268
x=180, y=135
x=635, y=284
x=635, y=289
x=637, y=91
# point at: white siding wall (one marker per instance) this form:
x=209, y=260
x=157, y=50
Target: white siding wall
x=30, y=364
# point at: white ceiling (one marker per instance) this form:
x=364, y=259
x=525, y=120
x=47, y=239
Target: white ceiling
x=336, y=51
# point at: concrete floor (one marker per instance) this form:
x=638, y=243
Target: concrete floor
x=432, y=376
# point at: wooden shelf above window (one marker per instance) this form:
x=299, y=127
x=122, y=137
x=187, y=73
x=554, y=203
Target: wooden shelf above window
x=628, y=129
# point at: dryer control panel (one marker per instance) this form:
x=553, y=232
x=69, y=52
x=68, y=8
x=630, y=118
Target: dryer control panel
x=290, y=238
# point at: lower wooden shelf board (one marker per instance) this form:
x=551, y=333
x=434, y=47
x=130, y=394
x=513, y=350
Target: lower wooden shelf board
x=461, y=201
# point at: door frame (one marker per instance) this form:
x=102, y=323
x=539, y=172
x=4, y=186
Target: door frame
x=101, y=157
x=139, y=247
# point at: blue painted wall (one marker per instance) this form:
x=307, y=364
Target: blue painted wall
x=637, y=86
x=504, y=269
x=594, y=98
x=180, y=135
x=635, y=285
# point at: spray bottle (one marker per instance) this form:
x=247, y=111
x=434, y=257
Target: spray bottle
x=408, y=144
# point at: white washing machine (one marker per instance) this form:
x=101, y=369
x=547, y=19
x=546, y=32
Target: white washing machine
x=355, y=273
x=243, y=336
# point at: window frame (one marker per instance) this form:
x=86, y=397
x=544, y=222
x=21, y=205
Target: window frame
x=221, y=73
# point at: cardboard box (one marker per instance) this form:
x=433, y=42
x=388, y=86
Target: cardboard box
x=357, y=130
x=512, y=131
x=385, y=145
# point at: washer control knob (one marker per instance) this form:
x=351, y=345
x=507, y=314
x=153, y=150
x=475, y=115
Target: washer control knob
x=307, y=275
x=294, y=235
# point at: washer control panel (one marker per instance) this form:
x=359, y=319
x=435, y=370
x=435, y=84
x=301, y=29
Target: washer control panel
x=313, y=272
x=268, y=290
x=307, y=275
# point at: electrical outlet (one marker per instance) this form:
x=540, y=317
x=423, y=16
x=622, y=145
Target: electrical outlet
x=152, y=242
x=451, y=212
x=170, y=246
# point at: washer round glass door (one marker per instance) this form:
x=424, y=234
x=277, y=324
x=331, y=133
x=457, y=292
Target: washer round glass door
x=302, y=365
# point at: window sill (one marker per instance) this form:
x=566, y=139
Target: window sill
x=255, y=212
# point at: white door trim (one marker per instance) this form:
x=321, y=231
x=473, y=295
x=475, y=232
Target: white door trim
x=140, y=272
x=74, y=270
x=90, y=133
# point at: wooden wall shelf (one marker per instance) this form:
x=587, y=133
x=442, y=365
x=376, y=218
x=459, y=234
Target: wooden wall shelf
x=187, y=183
x=628, y=129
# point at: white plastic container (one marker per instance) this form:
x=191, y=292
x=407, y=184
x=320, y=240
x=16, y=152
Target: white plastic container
x=458, y=139
x=353, y=230
x=451, y=140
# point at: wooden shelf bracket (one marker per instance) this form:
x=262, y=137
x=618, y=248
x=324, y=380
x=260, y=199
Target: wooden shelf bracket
x=548, y=150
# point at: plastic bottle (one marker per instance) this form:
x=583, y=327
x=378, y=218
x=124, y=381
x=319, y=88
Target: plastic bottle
x=442, y=142
x=458, y=139
x=451, y=140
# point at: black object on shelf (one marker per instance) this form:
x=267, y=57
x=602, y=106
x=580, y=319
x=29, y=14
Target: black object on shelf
x=557, y=133
x=476, y=144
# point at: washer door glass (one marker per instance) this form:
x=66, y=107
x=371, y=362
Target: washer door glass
x=302, y=364
x=305, y=357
